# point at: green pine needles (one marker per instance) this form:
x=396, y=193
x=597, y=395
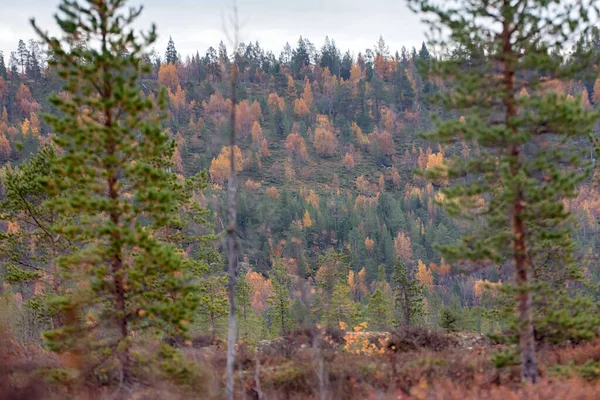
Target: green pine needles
x=530, y=142
x=127, y=280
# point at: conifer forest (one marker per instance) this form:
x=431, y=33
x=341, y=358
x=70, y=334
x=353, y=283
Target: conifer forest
x=306, y=222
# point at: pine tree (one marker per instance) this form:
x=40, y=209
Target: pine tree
x=29, y=249
x=340, y=307
x=529, y=159
x=117, y=191
x=279, y=301
x=213, y=304
x=409, y=295
x=23, y=55
x=378, y=311
x=3, y=72
x=33, y=69
x=171, y=56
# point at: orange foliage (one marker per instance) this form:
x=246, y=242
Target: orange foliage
x=246, y=116
x=585, y=100
x=383, y=67
x=388, y=119
x=442, y=269
x=25, y=100
x=275, y=102
x=307, y=95
x=257, y=133
x=264, y=149
x=436, y=162
x=25, y=127
x=177, y=102
x=424, y=275
x=252, y=184
x=219, y=167
x=217, y=106
x=554, y=86
x=363, y=185
x=34, y=124
x=261, y=290
x=272, y=192
x=361, y=138
x=295, y=146
x=311, y=197
x=300, y=108
x=177, y=162
x=355, y=74
x=306, y=221
x=596, y=94
x=369, y=244
x=362, y=282
x=480, y=286
x=167, y=76
x=325, y=140
x=403, y=248
x=4, y=148
x=384, y=142
x=291, y=87
x=349, y=161
x=395, y=177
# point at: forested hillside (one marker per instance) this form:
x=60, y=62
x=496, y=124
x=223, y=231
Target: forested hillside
x=344, y=207
x=328, y=148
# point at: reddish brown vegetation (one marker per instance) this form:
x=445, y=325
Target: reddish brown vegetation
x=307, y=364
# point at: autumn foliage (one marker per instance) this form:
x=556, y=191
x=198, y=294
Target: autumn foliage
x=219, y=167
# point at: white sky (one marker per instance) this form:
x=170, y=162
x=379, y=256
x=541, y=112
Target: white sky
x=198, y=24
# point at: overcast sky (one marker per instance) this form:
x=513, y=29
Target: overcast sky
x=198, y=24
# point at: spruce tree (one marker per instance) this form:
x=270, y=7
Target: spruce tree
x=3, y=71
x=171, y=56
x=409, y=295
x=116, y=192
x=23, y=55
x=528, y=159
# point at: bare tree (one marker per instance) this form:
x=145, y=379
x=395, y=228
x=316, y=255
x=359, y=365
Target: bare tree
x=232, y=244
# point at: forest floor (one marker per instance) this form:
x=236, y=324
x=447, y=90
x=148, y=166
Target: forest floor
x=414, y=364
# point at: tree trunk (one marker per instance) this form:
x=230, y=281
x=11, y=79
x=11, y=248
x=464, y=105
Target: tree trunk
x=523, y=297
x=406, y=308
x=232, y=241
x=117, y=270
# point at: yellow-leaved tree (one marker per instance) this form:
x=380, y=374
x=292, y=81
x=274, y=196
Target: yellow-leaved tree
x=219, y=167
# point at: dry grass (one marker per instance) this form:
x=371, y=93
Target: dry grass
x=313, y=365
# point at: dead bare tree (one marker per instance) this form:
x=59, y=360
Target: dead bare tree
x=232, y=244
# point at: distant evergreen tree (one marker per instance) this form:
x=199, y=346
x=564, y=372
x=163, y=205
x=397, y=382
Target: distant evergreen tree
x=409, y=295
x=118, y=195
x=223, y=56
x=404, y=94
x=330, y=57
x=448, y=319
x=347, y=63
x=378, y=311
x=13, y=63
x=279, y=301
x=3, y=72
x=300, y=57
x=171, y=56
x=22, y=55
x=33, y=69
